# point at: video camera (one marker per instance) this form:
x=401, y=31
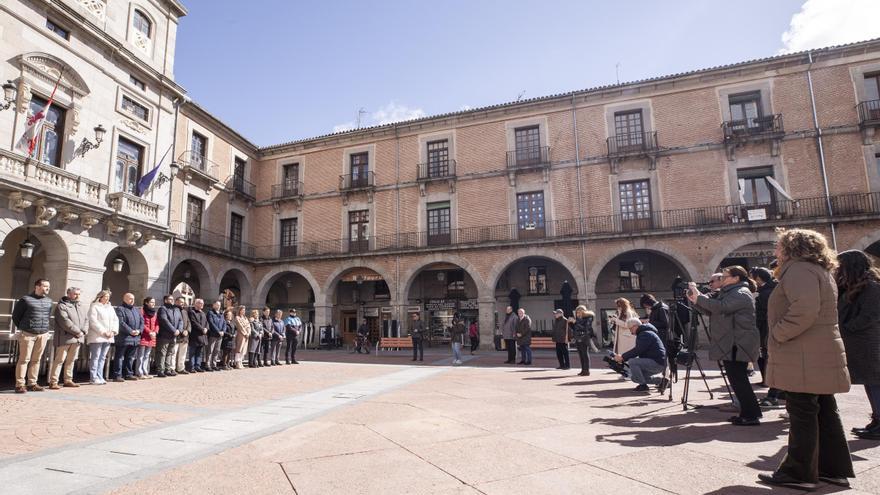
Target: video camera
x=680, y=288
x=621, y=368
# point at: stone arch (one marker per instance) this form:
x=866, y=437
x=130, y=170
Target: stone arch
x=333, y=280
x=678, y=258
x=208, y=286
x=410, y=275
x=244, y=284
x=738, y=242
x=538, y=252
x=50, y=259
x=270, y=278
x=135, y=270
x=866, y=241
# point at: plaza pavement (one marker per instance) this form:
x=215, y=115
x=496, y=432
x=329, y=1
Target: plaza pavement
x=348, y=423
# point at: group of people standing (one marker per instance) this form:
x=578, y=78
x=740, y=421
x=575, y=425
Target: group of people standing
x=182, y=339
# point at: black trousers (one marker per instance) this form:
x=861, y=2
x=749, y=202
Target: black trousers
x=475, y=343
x=497, y=341
x=266, y=345
x=738, y=375
x=583, y=348
x=290, y=347
x=510, y=344
x=418, y=348
x=816, y=440
x=562, y=355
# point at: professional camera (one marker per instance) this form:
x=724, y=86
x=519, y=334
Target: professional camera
x=621, y=368
x=680, y=288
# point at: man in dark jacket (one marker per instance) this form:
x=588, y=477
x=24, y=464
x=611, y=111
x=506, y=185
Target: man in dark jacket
x=560, y=338
x=198, y=335
x=71, y=324
x=170, y=326
x=764, y=280
x=363, y=332
x=508, y=333
x=181, y=343
x=524, y=336
x=216, y=330
x=658, y=315
x=131, y=324
x=268, y=334
x=417, y=332
x=31, y=317
x=647, y=358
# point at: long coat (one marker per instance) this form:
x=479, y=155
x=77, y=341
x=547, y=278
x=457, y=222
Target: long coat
x=860, y=329
x=524, y=331
x=805, y=350
x=508, y=328
x=732, y=322
x=560, y=330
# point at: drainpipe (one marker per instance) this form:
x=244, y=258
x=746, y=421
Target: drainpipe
x=822, y=168
x=577, y=168
x=397, y=310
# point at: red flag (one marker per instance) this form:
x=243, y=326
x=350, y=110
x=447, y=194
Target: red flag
x=28, y=141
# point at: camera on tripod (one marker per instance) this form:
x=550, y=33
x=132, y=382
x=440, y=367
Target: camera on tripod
x=620, y=368
x=680, y=289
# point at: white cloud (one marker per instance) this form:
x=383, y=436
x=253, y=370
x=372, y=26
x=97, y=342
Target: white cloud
x=387, y=114
x=823, y=23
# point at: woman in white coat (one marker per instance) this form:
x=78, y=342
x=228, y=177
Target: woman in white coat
x=624, y=340
x=103, y=327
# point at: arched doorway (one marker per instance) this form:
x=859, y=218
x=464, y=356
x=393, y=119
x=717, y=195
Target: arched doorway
x=125, y=270
x=235, y=288
x=191, y=277
x=536, y=284
x=750, y=256
x=362, y=294
x=631, y=274
x=437, y=292
x=290, y=290
x=46, y=258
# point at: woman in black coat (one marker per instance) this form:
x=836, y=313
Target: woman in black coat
x=582, y=335
x=858, y=310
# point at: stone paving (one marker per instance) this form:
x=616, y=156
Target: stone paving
x=343, y=423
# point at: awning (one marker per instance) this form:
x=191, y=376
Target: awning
x=778, y=188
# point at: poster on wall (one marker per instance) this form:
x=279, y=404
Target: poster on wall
x=468, y=304
x=371, y=312
x=440, y=304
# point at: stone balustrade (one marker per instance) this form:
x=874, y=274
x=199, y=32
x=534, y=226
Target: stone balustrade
x=129, y=205
x=51, y=179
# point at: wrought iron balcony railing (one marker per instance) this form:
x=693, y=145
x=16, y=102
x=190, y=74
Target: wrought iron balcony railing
x=758, y=127
x=240, y=186
x=288, y=189
x=436, y=170
x=633, y=143
x=192, y=162
x=869, y=112
x=529, y=157
x=206, y=238
x=361, y=180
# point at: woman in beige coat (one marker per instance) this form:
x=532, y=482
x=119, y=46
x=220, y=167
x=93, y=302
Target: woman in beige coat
x=806, y=359
x=242, y=332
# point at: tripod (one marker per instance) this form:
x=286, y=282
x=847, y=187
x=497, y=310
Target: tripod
x=691, y=356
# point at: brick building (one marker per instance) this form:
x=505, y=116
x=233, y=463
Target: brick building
x=615, y=190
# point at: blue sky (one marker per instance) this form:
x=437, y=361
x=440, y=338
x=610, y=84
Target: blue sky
x=279, y=70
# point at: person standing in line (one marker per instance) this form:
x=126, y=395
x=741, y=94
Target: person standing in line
x=242, y=333
x=216, y=332
x=181, y=343
x=170, y=326
x=474, y=336
x=858, y=305
x=292, y=328
x=735, y=338
x=508, y=334
x=582, y=333
x=458, y=331
x=277, y=336
x=560, y=338
x=266, y=341
x=807, y=359
x=148, y=338
x=31, y=317
x=417, y=333
x=766, y=283
x=198, y=337
x=131, y=325
x=103, y=327
x=624, y=340
x=229, y=336
x=71, y=325
x=524, y=336
x=254, y=339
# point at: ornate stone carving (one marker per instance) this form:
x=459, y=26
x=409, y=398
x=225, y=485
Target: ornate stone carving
x=48, y=67
x=114, y=228
x=132, y=236
x=43, y=214
x=68, y=217
x=135, y=126
x=88, y=221
x=95, y=7
x=24, y=96
x=74, y=121
x=17, y=202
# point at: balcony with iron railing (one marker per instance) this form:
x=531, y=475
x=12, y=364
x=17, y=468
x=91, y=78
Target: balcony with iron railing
x=357, y=181
x=436, y=170
x=204, y=238
x=848, y=207
x=767, y=126
x=632, y=144
x=289, y=189
x=528, y=158
x=195, y=165
x=869, y=113
x=240, y=187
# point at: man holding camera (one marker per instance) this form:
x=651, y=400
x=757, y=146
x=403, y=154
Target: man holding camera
x=647, y=358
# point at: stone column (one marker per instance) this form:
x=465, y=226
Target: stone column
x=487, y=323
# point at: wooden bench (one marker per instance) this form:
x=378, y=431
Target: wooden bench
x=394, y=343
x=543, y=343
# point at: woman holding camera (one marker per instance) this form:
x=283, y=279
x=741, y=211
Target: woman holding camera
x=807, y=360
x=735, y=338
x=582, y=334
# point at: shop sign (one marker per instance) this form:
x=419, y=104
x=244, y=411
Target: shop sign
x=468, y=304
x=440, y=304
x=371, y=312
x=413, y=309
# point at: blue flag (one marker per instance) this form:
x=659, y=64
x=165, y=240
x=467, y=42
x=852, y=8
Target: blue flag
x=144, y=184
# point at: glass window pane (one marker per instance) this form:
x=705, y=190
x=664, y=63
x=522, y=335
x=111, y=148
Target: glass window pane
x=872, y=88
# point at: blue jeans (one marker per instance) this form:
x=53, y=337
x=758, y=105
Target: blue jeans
x=195, y=356
x=641, y=369
x=456, y=351
x=526, y=352
x=124, y=360
x=97, y=356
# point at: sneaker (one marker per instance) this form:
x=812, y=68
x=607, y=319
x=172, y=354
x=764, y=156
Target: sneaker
x=35, y=388
x=54, y=386
x=780, y=479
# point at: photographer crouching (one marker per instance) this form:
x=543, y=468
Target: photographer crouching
x=647, y=358
x=735, y=337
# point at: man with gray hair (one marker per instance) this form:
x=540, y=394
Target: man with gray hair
x=198, y=337
x=71, y=323
x=647, y=358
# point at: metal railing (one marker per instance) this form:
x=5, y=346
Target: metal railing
x=288, y=189
x=238, y=185
x=361, y=180
x=753, y=127
x=632, y=143
x=213, y=240
x=869, y=112
x=529, y=157
x=444, y=169
x=192, y=161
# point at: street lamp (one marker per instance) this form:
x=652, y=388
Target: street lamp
x=118, y=263
x=26, y=249
x=9, y=94
x=85, y=145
